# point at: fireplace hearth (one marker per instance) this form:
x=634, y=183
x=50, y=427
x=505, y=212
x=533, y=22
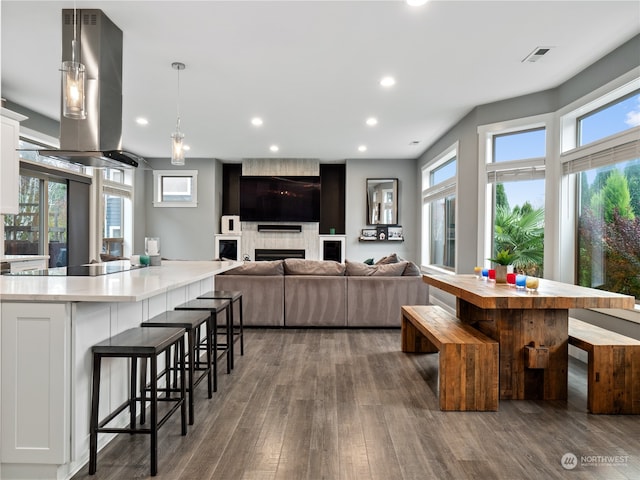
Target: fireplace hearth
x=265, y=254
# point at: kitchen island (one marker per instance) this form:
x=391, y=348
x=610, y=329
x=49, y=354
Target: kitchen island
x=48, y=325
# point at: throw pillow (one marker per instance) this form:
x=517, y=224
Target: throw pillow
x=296, y=266
x=411, y=270
x=264, y=268
x=393, y=258
x=358, y=269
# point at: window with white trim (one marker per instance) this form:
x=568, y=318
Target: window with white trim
x=601, y=159
x=116, y=212
x=439, y=182
x=513, y=179
x=175, y=188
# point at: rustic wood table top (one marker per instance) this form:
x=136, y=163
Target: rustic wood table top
x=550, y=294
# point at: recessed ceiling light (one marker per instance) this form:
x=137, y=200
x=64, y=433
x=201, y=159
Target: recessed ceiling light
x=416, y=3
x=256, y=121
x=388, y=81
x=142, y=121
x=274, y=148
x=362, y=148
x=371, y=121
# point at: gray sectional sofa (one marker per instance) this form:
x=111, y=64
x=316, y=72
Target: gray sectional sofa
x=313, y=293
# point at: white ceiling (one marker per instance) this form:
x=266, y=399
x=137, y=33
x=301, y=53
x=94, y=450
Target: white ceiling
x=311, y=69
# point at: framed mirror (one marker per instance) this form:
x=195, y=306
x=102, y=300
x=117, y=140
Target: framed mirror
x=382, y=201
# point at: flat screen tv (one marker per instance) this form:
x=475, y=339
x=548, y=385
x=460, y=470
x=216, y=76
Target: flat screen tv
x=279, y=199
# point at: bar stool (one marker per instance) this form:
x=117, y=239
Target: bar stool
x=214, y=307
x=191, y=321
x=145, y=344
x=232, y=296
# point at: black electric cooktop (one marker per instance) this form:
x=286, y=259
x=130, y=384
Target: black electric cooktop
x=92, y=270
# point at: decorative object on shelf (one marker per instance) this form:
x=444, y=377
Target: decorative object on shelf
x=368, y=234
x=177, y=138
x=382, y=233
x=73, y=81
x=503, y=259
x=231, y=224
x=395, y=233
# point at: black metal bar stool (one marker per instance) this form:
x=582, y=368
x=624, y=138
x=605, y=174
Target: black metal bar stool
x=191, y=321
x=214, y=307
x=145, y=344
x=233, y=296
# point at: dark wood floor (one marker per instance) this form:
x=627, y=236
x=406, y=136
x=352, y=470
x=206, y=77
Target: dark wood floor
x=347, y=404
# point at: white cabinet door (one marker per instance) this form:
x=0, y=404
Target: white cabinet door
x=9, y=162
x=35, y=403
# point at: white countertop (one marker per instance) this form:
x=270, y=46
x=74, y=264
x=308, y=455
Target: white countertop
x=129, y=286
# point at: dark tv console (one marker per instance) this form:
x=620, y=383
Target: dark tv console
x=280, y=228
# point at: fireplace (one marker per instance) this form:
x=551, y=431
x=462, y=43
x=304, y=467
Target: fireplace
x=277, y=253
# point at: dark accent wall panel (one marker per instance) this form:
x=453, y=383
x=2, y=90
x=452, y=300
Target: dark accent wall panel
x=332, y=197
x=78, y=223
x=231, y=173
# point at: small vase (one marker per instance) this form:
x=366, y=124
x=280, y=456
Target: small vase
x=501, y=274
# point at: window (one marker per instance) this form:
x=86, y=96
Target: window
x=601, y=158
x=40, y=227
x=514, y=182
x=615, y=117
x=116, y=213
x=30, y=146
x=609, y=228
x=439, y=210
x=175, y=188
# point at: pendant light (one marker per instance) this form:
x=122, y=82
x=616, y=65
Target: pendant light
x=177, y=138
x=73, y=82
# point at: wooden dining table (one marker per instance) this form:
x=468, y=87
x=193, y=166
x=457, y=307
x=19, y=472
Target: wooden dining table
x=530, y=327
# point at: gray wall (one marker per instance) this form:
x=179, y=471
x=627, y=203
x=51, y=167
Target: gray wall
x=185, y=233
x=357, y=172
x=188, y=233
x=617, y=63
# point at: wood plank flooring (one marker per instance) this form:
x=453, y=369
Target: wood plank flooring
x=349, y=405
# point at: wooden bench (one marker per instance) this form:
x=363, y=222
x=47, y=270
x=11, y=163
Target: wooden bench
x=468, y=358
x=613, y=382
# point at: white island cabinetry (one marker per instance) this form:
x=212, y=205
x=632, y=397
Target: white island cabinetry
x=48, y=327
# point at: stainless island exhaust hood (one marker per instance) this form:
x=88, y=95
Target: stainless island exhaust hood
x=97, y=140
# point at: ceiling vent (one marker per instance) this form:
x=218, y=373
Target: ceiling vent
x=537, y=54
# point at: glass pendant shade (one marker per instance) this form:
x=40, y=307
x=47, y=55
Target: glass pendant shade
x=177, y=150
x=73, y=97
x=177, y=138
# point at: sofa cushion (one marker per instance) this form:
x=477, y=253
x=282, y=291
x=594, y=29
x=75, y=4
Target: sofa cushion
x=359, y=269
x=269, y=267
x=296, y=266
